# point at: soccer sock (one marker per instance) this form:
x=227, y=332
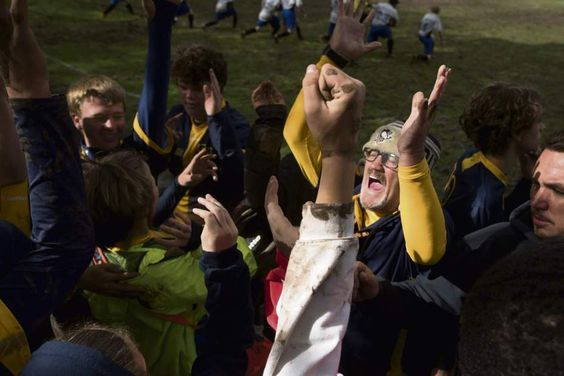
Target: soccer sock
x=299, y=33
x=191, y=21
x=390, y=46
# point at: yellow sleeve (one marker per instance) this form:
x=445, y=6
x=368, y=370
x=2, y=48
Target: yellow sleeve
x=14, y=206
x=14, y=349
x=421, y=214
x=299, y=139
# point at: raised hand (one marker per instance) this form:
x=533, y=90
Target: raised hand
x=348, y=39
x=411, y=144
x=366, y=284
x=220, y=232
x=212, y=95
x=28, y=67
x=109, y=279
x=179, y=227
x=284, y=234
x=265, y=94
x=200, y=167
x=333, y=104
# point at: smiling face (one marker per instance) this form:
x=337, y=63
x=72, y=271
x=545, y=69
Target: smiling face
x=102, y=125
x=379, y=191
x=547, y=195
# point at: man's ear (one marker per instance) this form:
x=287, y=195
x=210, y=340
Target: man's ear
x=76, y=121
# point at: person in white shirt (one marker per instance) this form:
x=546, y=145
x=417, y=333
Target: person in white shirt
x=289, y=14
x=386, y=17
x=430, y=24
x=223, y=9
x=266, y=16
x=332, y=22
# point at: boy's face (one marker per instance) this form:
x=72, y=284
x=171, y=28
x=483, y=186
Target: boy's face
x=102, y=126
x=193, y=100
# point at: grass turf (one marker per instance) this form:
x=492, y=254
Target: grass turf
x=514, y=41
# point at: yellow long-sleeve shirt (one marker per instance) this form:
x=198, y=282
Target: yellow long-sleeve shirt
x=422, y=217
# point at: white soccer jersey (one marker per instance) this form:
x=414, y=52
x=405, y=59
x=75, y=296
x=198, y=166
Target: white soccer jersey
x=288, y=4
x=268, y=7
x=384, y=12
x=430, y=23
x=334, y=10
x=221, y=5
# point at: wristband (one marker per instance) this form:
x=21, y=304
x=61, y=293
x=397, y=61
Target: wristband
x=335, y=57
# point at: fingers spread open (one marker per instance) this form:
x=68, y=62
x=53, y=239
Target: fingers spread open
x=357, y=14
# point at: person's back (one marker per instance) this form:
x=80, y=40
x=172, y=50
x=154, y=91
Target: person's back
x=503, y=122
x=431, y=22
x=385, y=13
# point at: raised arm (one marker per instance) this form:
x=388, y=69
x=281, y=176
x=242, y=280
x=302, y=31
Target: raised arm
x=43, y=270
x=315, y=302
x=149, y=124
x=228, y=329
x=12, y=164
x=421, y=214
x=347, y=44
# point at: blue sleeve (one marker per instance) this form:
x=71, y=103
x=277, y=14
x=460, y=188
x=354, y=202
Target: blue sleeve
x=62, y=241
x=149, y=124
x=228, y=330
x=167, y=202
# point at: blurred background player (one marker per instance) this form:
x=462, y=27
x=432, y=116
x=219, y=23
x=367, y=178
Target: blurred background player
x=223, y=9
x=386, y=17
x=266, y=16
x=332, y=22
x=430, y=23
x=185, y=9
x=289, y=13
x=114, y=3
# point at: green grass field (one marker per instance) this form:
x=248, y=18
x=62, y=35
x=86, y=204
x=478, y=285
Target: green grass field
x=516, y=41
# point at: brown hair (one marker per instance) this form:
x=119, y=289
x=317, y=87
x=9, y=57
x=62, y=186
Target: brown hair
x=555, y=142
x=117, y=194
x=192, y=63
x=498, y=112
x=99, y=86
x=114, y=343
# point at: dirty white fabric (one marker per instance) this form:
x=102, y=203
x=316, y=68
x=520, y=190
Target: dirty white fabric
x=314, y=306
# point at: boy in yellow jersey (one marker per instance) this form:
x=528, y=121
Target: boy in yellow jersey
x=38, y=272
x=202, y=119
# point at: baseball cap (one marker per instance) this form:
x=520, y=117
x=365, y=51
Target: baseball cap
x=386, y=137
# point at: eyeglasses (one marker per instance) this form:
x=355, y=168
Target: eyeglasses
x=388, y=159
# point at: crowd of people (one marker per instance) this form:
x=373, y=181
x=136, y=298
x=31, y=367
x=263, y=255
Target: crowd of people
x=131, y=254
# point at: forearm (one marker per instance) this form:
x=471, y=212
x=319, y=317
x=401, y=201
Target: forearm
x=150, y=122
x=222, y=345
x=167, y=201
x=300, y=140
x=314, y=307
x=29, y=77
x=337, y=180
x=63, y=234
x=12, y=162
x=421, y=214
x=262, y=156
